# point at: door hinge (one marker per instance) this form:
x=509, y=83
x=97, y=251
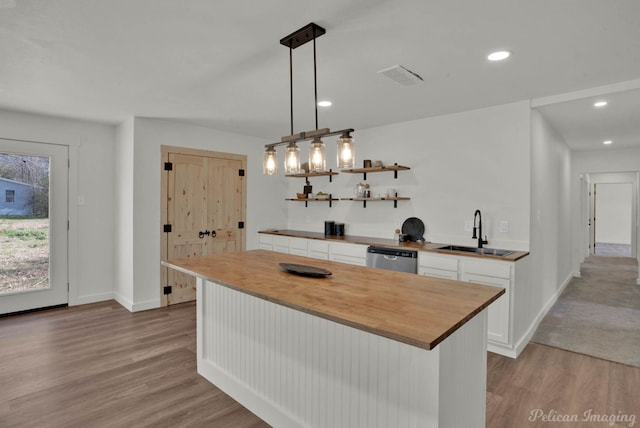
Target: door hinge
x=68, y=225
x=241, y=225
x=168, y=166
x=167, y=289
x=241, y=172
x=167, y=228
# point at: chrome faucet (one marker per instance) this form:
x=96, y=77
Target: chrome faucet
x=481, y=241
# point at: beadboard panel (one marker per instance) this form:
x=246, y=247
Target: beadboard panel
x=296, y=370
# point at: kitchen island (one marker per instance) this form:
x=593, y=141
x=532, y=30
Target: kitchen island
x=360, y=348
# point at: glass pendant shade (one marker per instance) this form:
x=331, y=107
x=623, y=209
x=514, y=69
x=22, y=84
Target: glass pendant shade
x=270, y=162
x=346, y=152
x=317, y=156
x=292, y=159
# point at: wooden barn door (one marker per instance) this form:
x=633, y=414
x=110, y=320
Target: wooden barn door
x=205, y=200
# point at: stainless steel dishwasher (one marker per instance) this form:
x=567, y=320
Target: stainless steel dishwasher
x=392, y=259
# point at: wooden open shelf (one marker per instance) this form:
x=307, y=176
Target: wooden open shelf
x=329, y=174
x=395, y=168
x=330, y=199
x=365, y=200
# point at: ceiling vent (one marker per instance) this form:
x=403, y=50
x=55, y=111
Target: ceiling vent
x=402, y=75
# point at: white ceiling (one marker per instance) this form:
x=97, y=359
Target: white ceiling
x=219, y=63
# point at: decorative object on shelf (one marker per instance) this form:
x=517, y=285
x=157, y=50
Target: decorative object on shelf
x=317, y=151
x=366, y=163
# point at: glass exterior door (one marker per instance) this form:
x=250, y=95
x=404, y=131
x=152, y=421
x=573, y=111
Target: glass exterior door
x=33, y=225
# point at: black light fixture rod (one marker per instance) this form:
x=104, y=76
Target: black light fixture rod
x=291, y=85
x=315, y=79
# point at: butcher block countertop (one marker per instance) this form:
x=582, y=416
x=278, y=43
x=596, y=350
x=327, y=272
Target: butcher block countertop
x=414, y=309
x=366, y=240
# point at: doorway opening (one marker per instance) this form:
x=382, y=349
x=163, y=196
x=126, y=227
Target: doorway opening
x=613, y=208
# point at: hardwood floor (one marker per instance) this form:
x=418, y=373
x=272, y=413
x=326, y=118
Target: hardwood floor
x=100, y=366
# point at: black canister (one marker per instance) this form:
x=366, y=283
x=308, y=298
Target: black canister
x=329, y=227
x=338, y=229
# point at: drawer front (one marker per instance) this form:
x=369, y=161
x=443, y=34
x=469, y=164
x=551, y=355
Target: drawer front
x=298, y=246
x=358, y=261
x=487, y=268
x=349, y=250
x=318, y=249
x=281, y=244
x=438, y=273
x=437, y=261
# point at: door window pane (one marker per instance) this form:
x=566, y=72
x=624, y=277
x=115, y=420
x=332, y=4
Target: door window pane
x=24, y=223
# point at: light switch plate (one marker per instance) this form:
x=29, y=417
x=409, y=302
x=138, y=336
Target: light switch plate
x=504, y=226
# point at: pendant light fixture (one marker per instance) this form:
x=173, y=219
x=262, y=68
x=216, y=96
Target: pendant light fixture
x=292, y=159
x=346, y=151
x=317, y=149
x=270, y=161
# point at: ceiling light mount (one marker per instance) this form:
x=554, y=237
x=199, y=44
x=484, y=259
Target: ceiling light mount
x=317, y=155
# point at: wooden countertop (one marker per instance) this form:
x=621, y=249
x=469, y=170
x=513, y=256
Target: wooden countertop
x=414, y=309
x=366, y=240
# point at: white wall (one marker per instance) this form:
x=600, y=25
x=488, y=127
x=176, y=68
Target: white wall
x=613, y=213
x=459, y=163
x=91, y=174
x=550, y=256
x=142, y=193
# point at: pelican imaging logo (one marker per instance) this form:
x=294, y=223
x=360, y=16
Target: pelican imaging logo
x=555, y=416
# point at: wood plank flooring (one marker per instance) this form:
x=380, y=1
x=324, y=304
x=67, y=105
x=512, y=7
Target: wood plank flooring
x=100, y=366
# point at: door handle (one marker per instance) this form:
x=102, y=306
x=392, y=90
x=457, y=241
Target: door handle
x=202, y=234
x=390, y=257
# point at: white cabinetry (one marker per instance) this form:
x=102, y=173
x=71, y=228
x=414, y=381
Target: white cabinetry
x=436, y=265
x=354, y=254
x=481, y=271
x=318, y=249
x=499, y=274
x=281, y=244
x=265, y=241
x=298, y=246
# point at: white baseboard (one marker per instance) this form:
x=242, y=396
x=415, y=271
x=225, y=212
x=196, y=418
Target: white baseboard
x=137, y=307
x=145, y=306
x=124, y=302
x=91, y=298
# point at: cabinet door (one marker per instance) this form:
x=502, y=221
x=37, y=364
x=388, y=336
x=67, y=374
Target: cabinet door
x=265, y=242
x=318, y=249
x=353, y=254
x=438, y=273
x=498, y=316
x=298, y=246
x=281, y=244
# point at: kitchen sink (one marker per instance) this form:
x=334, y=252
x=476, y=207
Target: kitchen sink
x=475, y=250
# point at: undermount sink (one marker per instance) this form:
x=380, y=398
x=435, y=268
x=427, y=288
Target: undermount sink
x=475, y=250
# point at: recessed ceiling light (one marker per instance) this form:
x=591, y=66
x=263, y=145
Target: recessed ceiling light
x=498, y=55
x=606, y=143
x=600, y=104
x=324, y=103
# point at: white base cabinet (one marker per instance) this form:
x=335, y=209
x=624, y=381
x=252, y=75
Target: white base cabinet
x=354, y=254
x=501, y=316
